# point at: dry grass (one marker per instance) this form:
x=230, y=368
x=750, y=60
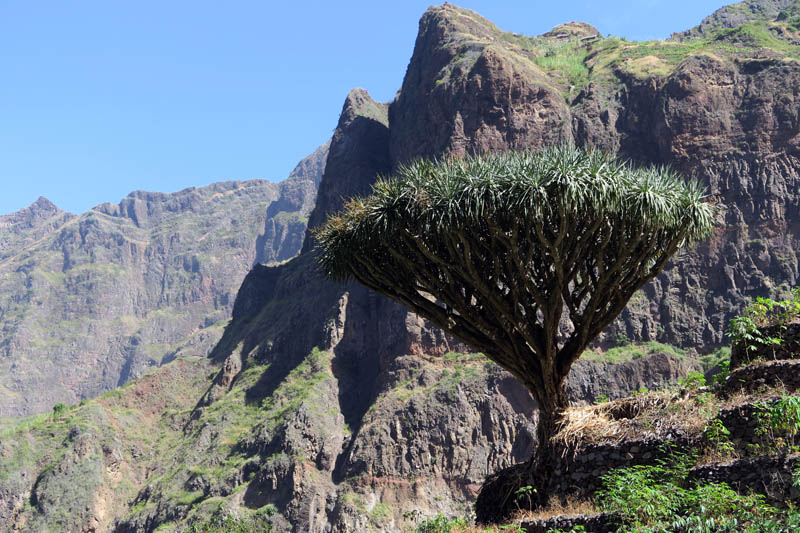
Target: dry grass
x=653, y=415
x=557, y=507
x=640, y=416
x=590, y=423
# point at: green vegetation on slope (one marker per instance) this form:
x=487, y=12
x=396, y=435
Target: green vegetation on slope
x=633, y=351
x=88, y=459
x=570, y=61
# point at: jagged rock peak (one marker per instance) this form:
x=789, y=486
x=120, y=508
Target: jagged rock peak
x=313, y=165
x=734, y=15
x=360, y=104
x=449, y=18
x=449, y=24
x=43, y=204
x=42, y=208
x=359, y=152
x=28, y=225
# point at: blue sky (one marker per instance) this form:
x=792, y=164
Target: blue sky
x=100, y=98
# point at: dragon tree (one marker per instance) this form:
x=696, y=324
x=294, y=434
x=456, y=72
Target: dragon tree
x=524, y=256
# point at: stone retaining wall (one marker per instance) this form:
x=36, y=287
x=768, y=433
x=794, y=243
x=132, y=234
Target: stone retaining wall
x=599, y=523
x=759, y=376
x=769, y=475
x=580, y=474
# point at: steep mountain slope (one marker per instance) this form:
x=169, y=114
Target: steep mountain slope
x=333, y=409
x=88, y=302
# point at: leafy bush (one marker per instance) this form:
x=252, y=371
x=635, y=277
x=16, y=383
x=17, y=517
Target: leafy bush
x=643, y=494
x=718, y=438
x=58, y=409
x=693, y=381
x=763, y=312
x=659, y=498
x=441, y=524
x=724, y=372
x=779, y=423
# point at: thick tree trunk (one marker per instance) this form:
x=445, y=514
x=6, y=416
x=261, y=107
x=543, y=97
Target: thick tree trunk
x=552, y=404
x=500, y=495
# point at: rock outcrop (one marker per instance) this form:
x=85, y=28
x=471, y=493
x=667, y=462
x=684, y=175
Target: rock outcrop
x=734, y=15
x=359, y=153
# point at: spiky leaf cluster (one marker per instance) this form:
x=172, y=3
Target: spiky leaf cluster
x=496, y=248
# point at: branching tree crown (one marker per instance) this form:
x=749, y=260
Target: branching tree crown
x=503, y=250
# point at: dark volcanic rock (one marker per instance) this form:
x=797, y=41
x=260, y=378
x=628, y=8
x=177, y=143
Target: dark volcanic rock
x=359, y=152
x=466, y=92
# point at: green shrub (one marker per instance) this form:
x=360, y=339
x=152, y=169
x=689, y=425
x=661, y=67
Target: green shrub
x=601, y=398
x=763, y=312
x=58, y=409
x=660, y=498
x=722, y=375
x=693, y=381
x=441, y=524
x=779, y=424
x=231, y=524
x=718, y=437
x=381, y=514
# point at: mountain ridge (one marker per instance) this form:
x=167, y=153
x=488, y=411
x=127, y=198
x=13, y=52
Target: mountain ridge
x=89, y=301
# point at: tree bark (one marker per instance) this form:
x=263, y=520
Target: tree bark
x=553, y=403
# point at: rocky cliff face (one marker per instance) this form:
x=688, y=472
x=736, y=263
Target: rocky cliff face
x=332, y=409
x=88, y=302
x=359, y=152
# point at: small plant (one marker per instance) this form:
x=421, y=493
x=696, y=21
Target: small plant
x=722, y=375
x=524, y=494
x=779, y=423
x=514, y=528
x=796, y=476
x=412, y=516
x=381, y=514
x=230, y=523
x=269, y=510
x=693, y=381
x=58, y=409
x=621, y=339
x=441, y=524
x=718, y=437
x=763, y=312
x=601, y=398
